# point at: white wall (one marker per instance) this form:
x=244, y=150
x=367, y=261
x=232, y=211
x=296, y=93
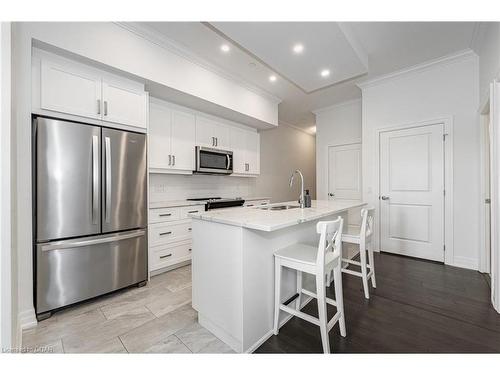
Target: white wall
x=282, y=151
x=6, y=318
x=487, y=46
x=114, y=46
x=439, y=90
x=336, y=125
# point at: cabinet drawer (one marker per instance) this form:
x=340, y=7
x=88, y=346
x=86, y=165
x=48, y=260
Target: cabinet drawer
x=158, y=215
x=161, y=233
x=185, y=211
x=164, y=256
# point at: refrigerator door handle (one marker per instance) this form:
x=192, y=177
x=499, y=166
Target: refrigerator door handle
x=107, y=143
x=95, y=178
x=67, y=244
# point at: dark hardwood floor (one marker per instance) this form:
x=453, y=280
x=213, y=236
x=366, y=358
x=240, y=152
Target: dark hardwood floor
x=417, y=307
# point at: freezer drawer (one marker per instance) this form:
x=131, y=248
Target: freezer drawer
x=75, y=270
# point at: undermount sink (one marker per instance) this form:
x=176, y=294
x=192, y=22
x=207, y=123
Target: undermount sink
x=278, y=208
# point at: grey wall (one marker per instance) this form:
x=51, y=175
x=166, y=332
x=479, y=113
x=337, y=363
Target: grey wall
x=283, y=150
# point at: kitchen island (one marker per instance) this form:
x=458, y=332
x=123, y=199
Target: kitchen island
x=233, y=265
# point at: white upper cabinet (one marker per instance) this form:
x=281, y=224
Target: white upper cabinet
x=74, y=89
x=183, y=140
x=171, y=138
x=160, y=130
x=124, y=103
x=70, y=89
x=246, y=151
x=210, y=133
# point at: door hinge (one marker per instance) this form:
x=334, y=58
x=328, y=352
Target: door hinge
x=444, y=136
x=444, y=247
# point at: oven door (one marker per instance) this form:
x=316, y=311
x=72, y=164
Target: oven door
x=210, y=160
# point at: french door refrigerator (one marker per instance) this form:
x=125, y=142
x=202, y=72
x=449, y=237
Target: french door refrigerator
x=90, y=222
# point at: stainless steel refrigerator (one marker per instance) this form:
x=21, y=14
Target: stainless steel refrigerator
x=90, y=223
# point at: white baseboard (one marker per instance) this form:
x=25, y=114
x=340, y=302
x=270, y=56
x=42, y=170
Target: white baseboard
x=464, y=262
x=27, y=319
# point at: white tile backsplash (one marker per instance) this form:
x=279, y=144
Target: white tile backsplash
x=165, y=187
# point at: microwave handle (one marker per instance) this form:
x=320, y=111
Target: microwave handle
x=228, y=161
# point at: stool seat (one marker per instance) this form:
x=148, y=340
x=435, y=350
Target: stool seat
x=303, y=253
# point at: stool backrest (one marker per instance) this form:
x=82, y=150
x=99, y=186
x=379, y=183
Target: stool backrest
x=367, y=215
x=330, y=241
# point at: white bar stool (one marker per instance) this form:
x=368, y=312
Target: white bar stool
x=318, y=261
x=363, y=239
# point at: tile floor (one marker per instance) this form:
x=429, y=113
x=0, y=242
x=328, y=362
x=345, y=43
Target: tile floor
x=157, y=318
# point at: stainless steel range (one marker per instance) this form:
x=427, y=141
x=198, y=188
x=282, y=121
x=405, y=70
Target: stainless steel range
x=212, y=203
x=90, y=227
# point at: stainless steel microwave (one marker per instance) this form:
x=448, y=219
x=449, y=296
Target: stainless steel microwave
x=213, y=161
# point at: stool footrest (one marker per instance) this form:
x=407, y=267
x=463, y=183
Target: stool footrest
x=334, y=320
x=354, y=262
x=309, y=318
x=314, y=295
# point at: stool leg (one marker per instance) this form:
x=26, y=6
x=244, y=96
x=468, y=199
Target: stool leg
x=362, y=257
x=372, y=264
x=339, y=296
x=277, y=287
x=299, y=289
x=320, y=291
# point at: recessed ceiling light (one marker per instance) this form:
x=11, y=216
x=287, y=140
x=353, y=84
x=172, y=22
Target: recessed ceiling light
x=298, y=48
x=325, y=73
x=224, y=48
x=272, y=78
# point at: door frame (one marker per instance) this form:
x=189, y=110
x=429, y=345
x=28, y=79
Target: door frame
x=484, y=254
x=447, y=122
x=328, y=164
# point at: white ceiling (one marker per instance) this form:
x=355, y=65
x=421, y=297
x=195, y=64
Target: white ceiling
x=258, y=50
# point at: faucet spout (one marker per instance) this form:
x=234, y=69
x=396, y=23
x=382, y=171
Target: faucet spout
x=301, y=196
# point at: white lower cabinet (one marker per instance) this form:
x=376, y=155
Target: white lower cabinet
x=170, y=236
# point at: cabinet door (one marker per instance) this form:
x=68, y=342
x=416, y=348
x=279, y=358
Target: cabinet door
x=183, y=140
x=205, y=132
x=160, y=130
x=124, y=103
x=238, y=146
x=222, y=136
x=70, y=89
x=253, y=152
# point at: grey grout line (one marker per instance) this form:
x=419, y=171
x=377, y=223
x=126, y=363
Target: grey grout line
x=62, y=344
x=182, y=342
x=119, y=338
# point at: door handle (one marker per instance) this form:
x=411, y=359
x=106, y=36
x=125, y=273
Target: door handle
x=68, y=244
x=487, y=200
x=169, y=159
x=216, y=141
x=331, y=194
x=173, y=159
x=95, y=178
x=384, y=197
x=107, y=143
x=213, y=141
x=98, y=106
x=105, y=108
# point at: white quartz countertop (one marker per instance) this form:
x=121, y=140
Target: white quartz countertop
x=268, y=220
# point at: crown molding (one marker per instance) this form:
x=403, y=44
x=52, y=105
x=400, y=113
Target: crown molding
x=441, y=61
x=336, y=105
x=174, y=47
x=295, y=127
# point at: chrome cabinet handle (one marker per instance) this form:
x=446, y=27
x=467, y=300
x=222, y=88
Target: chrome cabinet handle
x=165, y=233
x=190, y=229
x=173, y=159
x=216, y=141
x=107, y=142
x=162, y=215
x=98, y=106
x=105, y=108
x=165, y=256
x=384, y=197
x=213, y=141
x=95, y=178
x=192, y=212
x=169, y=159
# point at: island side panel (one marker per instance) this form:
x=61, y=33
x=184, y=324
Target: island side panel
x=217, y=280
x=258, y=277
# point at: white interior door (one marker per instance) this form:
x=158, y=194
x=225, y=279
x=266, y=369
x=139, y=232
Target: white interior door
x=412, y=192
x=344, y=172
